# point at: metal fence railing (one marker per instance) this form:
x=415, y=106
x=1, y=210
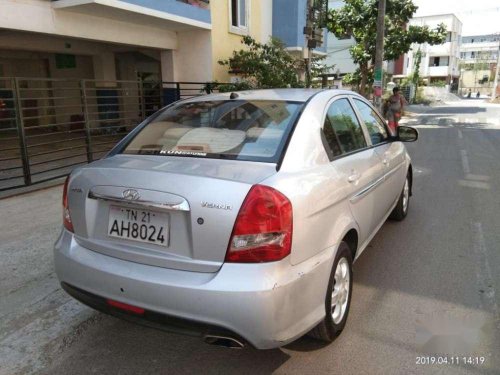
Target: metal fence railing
x=50, y=126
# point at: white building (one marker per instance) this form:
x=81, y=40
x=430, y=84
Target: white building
x=439, y=62
x=338, y=49
x=479, y=56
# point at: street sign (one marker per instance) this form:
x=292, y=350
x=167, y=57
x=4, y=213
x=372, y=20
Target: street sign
x=377, y=82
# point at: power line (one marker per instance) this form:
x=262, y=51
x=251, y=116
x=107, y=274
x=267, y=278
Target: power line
x=338, y=50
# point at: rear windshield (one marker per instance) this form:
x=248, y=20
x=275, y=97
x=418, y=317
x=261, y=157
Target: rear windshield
x=230, y=129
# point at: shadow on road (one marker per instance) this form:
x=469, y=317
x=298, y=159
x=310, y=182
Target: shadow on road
x=456, y=110
x=115, y=346
x=450, y=122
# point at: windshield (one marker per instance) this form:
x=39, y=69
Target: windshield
x=230, y=129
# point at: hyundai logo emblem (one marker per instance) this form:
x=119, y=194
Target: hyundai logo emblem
x=131, y=194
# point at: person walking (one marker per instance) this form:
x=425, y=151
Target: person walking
x=395, y=105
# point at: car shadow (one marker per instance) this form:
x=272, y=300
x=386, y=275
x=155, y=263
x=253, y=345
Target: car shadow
x=116, y=346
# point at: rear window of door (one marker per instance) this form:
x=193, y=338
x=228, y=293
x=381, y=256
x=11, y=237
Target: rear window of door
x=342, y=131
x=374, y=125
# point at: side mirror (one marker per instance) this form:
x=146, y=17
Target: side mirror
x=407, y=134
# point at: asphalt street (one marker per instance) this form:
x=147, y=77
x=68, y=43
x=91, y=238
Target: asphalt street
x=426, y=290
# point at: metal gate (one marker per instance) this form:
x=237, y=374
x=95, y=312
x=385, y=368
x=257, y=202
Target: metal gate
x=50, y=126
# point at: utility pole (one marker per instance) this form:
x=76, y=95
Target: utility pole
x=315, y=19
x=497, y=71
x=379, y=56
x=309, y=30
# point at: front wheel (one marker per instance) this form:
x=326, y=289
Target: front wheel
x=401, y=209
x=338, y=297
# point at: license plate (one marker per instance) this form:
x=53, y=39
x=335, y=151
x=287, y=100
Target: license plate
x=138, y=225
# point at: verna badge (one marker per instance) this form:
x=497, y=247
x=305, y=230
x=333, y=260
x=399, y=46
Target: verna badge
x=215, y=205
x=131, y=194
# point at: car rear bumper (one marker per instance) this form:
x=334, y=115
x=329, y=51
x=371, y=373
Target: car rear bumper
x=268, y=304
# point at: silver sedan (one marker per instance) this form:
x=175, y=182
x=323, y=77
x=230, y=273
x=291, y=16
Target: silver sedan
x=235, y=217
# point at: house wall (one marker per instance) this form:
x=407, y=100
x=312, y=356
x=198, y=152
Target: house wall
x=224, y=41
x=79, y=28
x=39, y=16
x=289, y=19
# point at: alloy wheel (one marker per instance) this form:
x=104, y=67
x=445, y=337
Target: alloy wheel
x=340, y=292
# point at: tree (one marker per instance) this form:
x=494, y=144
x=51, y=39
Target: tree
x=267, y=65
x=358, y=18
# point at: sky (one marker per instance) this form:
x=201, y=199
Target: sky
x=477, y=16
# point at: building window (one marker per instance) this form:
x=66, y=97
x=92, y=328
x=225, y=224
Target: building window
x=239, y=16
x=439, y=61
x=473, y=54
x=434, y=61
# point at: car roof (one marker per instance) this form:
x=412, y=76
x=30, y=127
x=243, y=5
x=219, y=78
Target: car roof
x=294, y=95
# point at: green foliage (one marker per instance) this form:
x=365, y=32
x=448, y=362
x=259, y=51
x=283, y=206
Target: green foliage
x=438, y=83
x=209, y=87
x=358, y=18
x=318, y=67
x=237, y=86
x=264, y=65
x=415, y=76
x=353, y=79
x=267, y=65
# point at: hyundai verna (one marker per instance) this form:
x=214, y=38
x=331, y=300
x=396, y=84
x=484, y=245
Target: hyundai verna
x=235, y=217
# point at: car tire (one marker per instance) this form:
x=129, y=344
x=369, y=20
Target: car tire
x=401, y=209
x=336, y=314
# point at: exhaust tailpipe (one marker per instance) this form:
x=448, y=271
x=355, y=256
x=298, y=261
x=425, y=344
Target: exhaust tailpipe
x=224, y=341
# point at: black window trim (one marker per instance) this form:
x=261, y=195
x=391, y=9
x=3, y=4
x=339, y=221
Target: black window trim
x=390, y=137
x=323, y=139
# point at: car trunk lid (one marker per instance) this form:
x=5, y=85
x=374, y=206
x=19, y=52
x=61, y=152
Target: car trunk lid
x=194, y=200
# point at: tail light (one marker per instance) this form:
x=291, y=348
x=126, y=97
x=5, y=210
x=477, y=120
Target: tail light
x=263, y=228
x=66, y=216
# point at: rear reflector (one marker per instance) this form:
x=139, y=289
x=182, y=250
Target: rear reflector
x=125, y=307
x=263, y=228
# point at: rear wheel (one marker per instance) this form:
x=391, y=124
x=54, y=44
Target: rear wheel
x=338, y=297
x=401, y=209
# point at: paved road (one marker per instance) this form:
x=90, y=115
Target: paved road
x=427, y=286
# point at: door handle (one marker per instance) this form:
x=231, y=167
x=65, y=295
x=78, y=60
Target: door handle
x=353, y=177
